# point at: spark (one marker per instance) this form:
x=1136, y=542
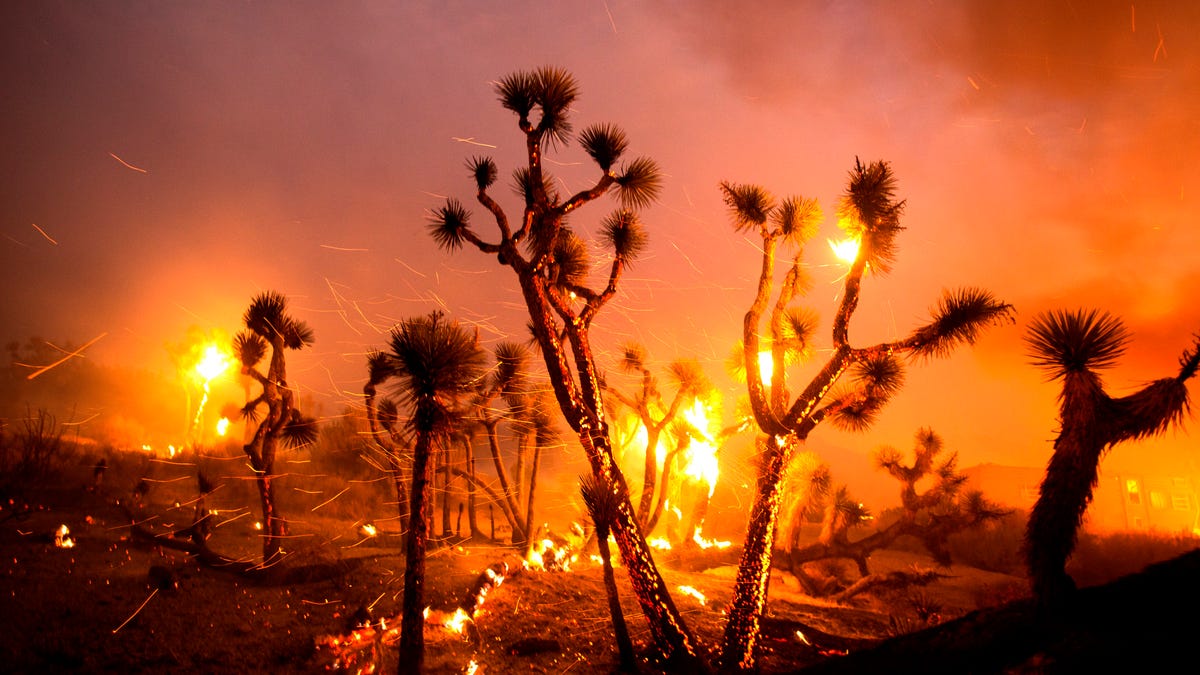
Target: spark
x=685, y=257
x=342, y=248
x=127, y=165
x=974, y=84
x=330, y=499
x=610, y=17
x=1161, y=47
x=472, y=141
x=77, y=352
x=137, y=611
x=43, y=233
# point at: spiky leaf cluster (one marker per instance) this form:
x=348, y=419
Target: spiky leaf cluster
x=550, y=91
x=483, y=170
x=872, y=383
x=959, y=318
x=604, y=143
x=300, y=430
x=449, y=224
x=869, y=212
x=250, y=348
x=267, y=317
x=749, y=205
x=436, y=361
x=639, y=183
x=1062, y=342
x=624, y=233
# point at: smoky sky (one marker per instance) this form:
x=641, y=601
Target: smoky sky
x=162, y=162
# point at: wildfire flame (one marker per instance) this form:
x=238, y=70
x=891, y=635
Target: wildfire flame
x=369, y=530
x=766, y=366
x=457, y=621
x=660, y=543
x=547, y=555
x=845, y=250
x=709, y=543
x=692, y=592
x=62, y=537
x=213, y=362
x=702, y=453
x=222, y=426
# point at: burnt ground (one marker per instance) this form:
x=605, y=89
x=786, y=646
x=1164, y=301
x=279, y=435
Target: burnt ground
x=118, y=603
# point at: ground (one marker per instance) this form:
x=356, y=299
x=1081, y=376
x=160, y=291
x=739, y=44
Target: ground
x=113, y=602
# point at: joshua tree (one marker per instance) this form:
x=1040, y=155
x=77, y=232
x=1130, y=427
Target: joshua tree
x=382, y=420
x=930, y=516
x=870, y=214
x=551, y=266
x=437, y=363
x=268, y=325
x=1073, y=347
x=647, y=404
x=601, y=501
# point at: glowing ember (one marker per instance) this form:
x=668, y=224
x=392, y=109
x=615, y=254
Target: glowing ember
x=549, y=556
x=222, y=426
x=257, y=525
x=472, y=667
x=369, y=530
x=457, y=621
x=62, y=537
x=693, y=593
x=766, y=366
x=845, y=250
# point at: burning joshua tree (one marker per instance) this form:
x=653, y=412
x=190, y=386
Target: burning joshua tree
x=268, y=325
x=1073, y=347
x=551, y=264
x=870, y=214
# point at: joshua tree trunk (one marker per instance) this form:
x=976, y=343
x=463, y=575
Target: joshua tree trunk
x=412, y=626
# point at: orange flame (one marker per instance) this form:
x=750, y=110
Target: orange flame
x=62, y=538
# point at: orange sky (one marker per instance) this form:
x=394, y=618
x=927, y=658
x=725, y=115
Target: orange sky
x=164, y=162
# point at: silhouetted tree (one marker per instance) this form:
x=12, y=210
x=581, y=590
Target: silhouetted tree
x=1073, y=347
x=870, y=213
x=437, y=363
x=930, y=516
x=269, y=326
x=382, y=419
x=551, y=264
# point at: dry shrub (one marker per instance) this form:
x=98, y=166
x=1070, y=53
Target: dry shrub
x=995, y=546
x=32, y=452
x=1100, y=558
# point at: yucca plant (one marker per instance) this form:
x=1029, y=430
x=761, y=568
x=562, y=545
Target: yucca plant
x=1074, y=346
x=869, y=212
x=436, y=363
x=270, y=328
x=552, y=268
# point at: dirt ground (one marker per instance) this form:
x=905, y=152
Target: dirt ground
x=114, y=603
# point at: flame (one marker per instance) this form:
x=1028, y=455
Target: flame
x=457, y=621
x=690, y=591
x=472, y=667
x=222, y=426
x=171, y=451
x=213, y=362
x=845, y=250
x=709, y=543
x=702, y=453
x=660, y=543
x=62, y=537
x=257, y=525
x=547, y=555
x=369, y=530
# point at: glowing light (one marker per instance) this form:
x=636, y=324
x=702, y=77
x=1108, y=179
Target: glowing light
x=702, y=453
x=62, y=538
x=472, y=667
x=693, y=593
x=659, y=543
x=766, y=367
x=222, y=426
x=171, y=451
x=457, y=621
x=547, y=555
x=845, y=250
x=213, y=362
x=369, y=530
x=257, y=525
x=709, y=543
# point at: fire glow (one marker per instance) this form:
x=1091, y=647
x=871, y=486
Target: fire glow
x=62, y=537
x=845, y=250
x=702, y=463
